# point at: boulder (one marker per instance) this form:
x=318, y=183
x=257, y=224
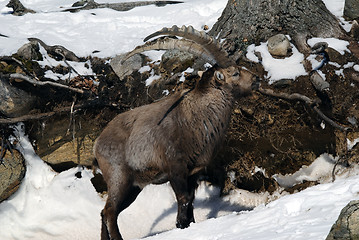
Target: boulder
x=14, y=102
x=278, y=45
x=12, y=171
x=63, y=144
x=30, y=51
x=318, y=82
x=18, y=8
x=347, y=225
x=128, y=67
x=351, y=9
x=335, y=56
x=175, y=61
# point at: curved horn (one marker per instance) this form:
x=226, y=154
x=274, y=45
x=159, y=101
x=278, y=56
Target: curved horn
x=209, y=43
x=172, y=43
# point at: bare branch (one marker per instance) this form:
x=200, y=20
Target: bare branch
x=40, y=83
x=39, y=116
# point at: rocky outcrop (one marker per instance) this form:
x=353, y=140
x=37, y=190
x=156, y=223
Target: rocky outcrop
x=347, y=225
x=14, y=102
x=63, y=144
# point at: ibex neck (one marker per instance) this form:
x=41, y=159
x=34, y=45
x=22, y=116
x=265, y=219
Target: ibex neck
x=204, y=116
x=213, y=105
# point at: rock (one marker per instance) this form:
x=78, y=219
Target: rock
x=347, y=225
x=30, y=51
x=282, y=83
x=12, y=171
x=14, y=102
x=64, y=146
x=128, y=67
x=354, y=31
x=355, y=76
x=18, y=8
x=319, y=47
x=81, y=3
x=174, y=61
x=318, y=82
x=57, y=51
x=335, y=56
x=351, y=9
x=278, y=45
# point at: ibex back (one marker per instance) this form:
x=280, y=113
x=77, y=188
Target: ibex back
x=174, y=139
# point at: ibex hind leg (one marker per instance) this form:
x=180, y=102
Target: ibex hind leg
x=121, y=194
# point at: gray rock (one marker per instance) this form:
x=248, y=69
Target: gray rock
x=12, y=171
x=318, y=82
x=278, y=45
x=347, y=225
x=174, y=61
x=128, y=67
x=319, y=47
x=18, y=8
x=351, y=9
x=14, y=102
x=30, y=51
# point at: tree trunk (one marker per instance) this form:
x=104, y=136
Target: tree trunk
x=245, y=21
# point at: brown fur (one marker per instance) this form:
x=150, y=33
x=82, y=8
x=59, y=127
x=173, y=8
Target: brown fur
x=137, y=148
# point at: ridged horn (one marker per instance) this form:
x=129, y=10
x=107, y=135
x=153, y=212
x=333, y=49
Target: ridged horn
x=209, y=43
x=172, y=43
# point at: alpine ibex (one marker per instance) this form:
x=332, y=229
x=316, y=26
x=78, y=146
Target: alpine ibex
x=173, y=139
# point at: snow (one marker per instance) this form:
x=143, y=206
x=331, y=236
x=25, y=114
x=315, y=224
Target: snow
x=336, y=7
x=316, y=171
x=53, y=206
x=108, y=31
x=48, y=204
x=274, y=66
x=337, y=44
x=305, y=215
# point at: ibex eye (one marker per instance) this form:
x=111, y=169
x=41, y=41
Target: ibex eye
x=235, y=74
x=219, y=76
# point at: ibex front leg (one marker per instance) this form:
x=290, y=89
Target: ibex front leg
x=184, y=189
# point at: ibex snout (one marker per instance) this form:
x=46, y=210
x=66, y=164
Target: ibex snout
x=242, y=81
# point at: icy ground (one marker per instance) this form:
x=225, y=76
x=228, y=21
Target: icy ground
x=54, y=206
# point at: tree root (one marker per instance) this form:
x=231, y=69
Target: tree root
x=310, y=102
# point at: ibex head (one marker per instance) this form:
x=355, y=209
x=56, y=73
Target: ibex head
x=239, y=79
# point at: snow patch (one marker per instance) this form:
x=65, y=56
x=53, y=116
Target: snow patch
x=352, y=144
x=337, y=44
x=321, y=168
x=274, y=67
x=152, y=78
